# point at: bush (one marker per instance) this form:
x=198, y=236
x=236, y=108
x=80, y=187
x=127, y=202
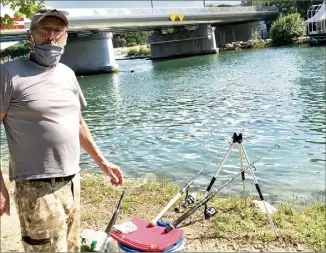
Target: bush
x=139, y=51
x=286, y=29
x=133, y=51
x=144, y=51
x=15, y=51
x=132, y=44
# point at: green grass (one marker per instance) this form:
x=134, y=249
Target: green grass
x=236, y=219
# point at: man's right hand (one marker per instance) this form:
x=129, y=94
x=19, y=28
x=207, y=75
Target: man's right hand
x=4, y=199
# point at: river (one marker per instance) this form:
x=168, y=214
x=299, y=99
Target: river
x=170, y=118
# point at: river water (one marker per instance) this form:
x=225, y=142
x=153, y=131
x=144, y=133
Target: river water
x=170, y=118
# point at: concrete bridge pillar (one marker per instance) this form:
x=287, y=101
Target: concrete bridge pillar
x=240, y=32
x=90, y=53
x=183, y=43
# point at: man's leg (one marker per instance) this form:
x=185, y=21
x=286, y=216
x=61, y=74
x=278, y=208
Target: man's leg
x=73, y=235
x=44, y=209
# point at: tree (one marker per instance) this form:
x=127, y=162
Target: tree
x=287, y=28
x=286, y=6
x=220, y=5
x=14, y=51
x=253, y=3
x=130, y=39
x=21, y=8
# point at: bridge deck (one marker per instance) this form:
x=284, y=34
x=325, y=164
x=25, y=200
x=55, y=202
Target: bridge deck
x=120, y=19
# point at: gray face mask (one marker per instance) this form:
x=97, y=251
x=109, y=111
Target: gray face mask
x=47, y=55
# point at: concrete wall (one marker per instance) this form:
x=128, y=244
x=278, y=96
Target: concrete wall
x=183, y=43
x=90, y=54
x=239, y=32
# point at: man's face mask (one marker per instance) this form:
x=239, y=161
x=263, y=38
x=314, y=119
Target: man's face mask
x=47, y=55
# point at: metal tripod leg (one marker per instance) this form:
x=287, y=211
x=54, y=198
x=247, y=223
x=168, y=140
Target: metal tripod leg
x=219, y=168
x=259, y=191
x=242, y=173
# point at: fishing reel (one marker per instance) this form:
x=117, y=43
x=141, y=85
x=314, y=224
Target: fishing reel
x=209, y=212
x=190, y=198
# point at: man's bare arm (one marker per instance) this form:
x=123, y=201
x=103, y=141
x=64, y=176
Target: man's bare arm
x=88, y=144
x=4, y=196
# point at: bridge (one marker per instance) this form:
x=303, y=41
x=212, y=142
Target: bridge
x=89, y=49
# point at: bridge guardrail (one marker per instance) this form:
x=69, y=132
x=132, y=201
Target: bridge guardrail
x=185, y=10
x=193, y=34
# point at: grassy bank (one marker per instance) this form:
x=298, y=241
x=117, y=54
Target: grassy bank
x=236, y=227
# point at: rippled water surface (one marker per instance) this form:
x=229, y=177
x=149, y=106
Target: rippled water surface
x=171, y=117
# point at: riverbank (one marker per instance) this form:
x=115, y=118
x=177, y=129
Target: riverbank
x=236, y=227
x=143, y=51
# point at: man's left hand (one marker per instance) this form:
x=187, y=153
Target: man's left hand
x=114, y=172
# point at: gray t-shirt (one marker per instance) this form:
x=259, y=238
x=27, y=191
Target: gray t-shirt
x=42, y=108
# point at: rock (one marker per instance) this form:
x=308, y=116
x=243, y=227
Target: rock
x=250, y=43
x=229, y=45
x=258, y=246
x=235, y=246
x=235, y=44
x=300, y=248
x=261, y=207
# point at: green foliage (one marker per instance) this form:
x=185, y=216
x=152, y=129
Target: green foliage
x=252, y=3
x=130, y=39
x=139, y=51
x=22, y=8
x=306, y=226
x=14, y=52
x=132, y=44
x=133, y=51
x=299, y=6
x=255, y=35
x=286, y=29
x=220, y=5
x=144, y=51
x=260, y=44
x=286, y=6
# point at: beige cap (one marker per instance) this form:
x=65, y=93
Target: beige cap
x=44, y=13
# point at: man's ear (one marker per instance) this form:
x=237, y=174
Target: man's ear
x=29, y=37
x=66, y=39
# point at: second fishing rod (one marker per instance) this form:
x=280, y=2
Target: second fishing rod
x=209, y=212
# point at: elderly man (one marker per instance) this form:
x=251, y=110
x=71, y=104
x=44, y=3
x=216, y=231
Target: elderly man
x=40, y=109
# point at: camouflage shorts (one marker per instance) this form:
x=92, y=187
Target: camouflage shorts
x=49, y=215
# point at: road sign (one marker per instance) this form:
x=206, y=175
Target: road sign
x=181, y=16
x=172, y=17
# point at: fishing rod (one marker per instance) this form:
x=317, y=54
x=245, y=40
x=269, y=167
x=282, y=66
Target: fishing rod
x=204, y=201
x=211, y=211
x=112, y=221
x=178, y=195
x=191, y=211
x=189, y=198
x=212, y=194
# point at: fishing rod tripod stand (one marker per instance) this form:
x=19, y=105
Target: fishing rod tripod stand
x=209, y=212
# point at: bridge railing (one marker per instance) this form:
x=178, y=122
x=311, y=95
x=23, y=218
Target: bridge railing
x=126, y=12
x=184, y=35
